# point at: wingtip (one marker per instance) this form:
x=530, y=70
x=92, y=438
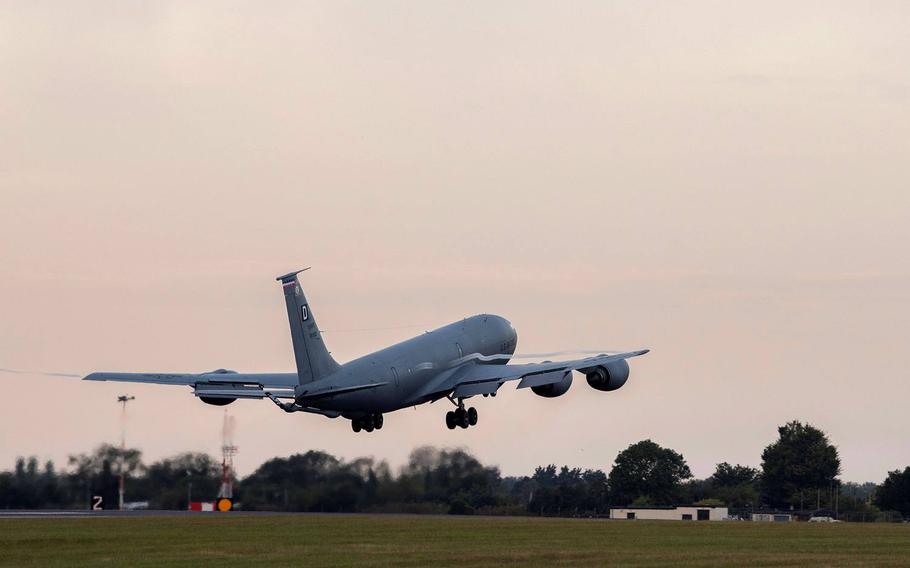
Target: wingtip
x=98, y=376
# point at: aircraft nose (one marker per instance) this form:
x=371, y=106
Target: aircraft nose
x=508, y=328
x=503, y=327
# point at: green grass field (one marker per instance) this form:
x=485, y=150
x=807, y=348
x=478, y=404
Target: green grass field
x=343, y=540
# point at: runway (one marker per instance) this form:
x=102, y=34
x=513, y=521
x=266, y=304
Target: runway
x=147, y=513
x=71, y=514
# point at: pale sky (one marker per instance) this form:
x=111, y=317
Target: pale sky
x=724, y=184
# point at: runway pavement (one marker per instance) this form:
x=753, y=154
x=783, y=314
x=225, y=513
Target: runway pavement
x=85, y=514
x=14, y=514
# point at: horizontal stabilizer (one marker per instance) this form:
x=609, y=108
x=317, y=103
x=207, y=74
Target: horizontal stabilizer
x=290, y=275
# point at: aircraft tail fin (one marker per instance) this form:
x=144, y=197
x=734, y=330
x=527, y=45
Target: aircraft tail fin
x=313, y=359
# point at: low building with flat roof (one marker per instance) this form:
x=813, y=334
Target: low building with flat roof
x=687, y=513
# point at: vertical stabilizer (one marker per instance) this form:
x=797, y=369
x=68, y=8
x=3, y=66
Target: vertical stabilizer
x=313, y=359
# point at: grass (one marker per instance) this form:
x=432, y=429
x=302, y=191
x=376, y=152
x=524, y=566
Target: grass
x=355, y=540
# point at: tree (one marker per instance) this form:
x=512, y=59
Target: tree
x=315, y=481
x=726, y=475
x=97, y=473
x=894, y=493
x=710, y=502
x=647, y=470
x=171, y=482
x=50, y=491
x=451, y=477
x=800, y=460
x=570, y=492
x=856, y=500
x=694, y=490
x=297, y=483
x=735, y=485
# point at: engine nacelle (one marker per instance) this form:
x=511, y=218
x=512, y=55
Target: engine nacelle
x=610, y=376
x=553, y=390
x=216, y=401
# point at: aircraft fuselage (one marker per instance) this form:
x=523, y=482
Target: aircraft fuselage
x=409, y=366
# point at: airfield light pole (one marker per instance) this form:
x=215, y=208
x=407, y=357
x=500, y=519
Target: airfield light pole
x=122, y=399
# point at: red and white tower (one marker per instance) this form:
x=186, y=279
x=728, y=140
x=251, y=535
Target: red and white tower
x=228, y=450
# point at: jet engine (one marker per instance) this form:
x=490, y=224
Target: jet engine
x=608, y=377
x=215, y=401
x=553, y=390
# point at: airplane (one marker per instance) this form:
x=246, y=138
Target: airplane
x=458, y=361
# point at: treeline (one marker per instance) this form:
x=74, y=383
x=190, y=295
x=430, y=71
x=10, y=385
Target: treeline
x=798, y=472
x=166, y=484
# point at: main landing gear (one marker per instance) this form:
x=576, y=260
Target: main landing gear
x=461, y=417
x=369, y=423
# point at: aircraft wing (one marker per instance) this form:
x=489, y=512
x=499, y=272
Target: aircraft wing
x=219, y=377
x=473, y=379
x=229, y=384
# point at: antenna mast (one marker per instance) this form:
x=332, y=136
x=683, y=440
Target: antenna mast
x=228, y=451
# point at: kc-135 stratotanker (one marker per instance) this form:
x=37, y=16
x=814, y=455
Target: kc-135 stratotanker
x=456, y=362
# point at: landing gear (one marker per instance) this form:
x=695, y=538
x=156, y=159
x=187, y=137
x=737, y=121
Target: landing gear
x=367, y=423
x=461, y=417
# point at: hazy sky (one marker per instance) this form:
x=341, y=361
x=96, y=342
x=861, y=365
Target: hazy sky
x=724, y=184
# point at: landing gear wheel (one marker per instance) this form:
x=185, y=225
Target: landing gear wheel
x=462, y=418
x=450, y=420
x=472, y=416
x=377, y=421
x=355, y=425
x=368, y=423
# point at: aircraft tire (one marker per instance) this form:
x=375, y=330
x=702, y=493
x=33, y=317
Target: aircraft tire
x=450, y=420
x=377, y=421
x=355, y=425
x=463, y=418
x=472, y=416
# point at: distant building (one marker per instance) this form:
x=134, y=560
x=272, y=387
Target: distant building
x=772, y=517
x=692, y=513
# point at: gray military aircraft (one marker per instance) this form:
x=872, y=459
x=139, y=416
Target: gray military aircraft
x=463, y=359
